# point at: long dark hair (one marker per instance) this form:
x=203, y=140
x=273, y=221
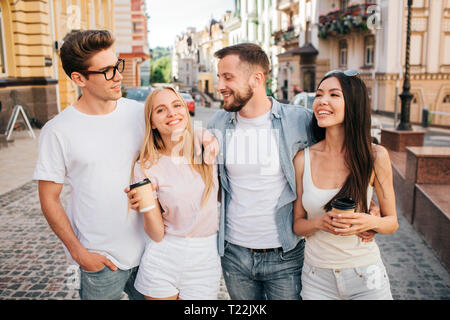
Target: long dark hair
x=359, y=156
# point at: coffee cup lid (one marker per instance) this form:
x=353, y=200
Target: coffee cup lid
x=343, y=203
x=140, y=183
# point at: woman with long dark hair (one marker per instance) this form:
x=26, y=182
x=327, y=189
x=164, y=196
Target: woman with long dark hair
x=344, y=163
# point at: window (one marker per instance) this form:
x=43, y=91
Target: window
x=416, y=49
x=369, y=50
x=344, y=4
x=2, y=52
x=446, y=99
x=342, y=53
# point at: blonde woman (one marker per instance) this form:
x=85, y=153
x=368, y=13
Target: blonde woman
x=181, y=260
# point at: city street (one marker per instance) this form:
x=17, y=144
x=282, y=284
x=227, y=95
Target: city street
x=33, y=264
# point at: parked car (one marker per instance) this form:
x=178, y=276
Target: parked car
x=137, y=93
x=304, y=99
x=190, y=102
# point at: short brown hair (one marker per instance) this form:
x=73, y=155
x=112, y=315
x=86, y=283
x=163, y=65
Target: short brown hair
x=248, y=52
x=80, y=46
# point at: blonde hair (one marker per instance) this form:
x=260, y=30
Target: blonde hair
x=153, y=143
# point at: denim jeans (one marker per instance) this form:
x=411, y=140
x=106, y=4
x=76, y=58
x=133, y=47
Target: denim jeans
x=369, y=282
x=263, y=276
x=106, y=284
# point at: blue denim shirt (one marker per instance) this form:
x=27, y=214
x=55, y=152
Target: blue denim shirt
x=293, y=125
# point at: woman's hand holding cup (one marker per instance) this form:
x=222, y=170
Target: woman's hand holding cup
x=133, y=199
x=141, y=196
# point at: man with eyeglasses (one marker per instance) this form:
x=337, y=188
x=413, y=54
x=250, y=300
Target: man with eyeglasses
x=91, y=145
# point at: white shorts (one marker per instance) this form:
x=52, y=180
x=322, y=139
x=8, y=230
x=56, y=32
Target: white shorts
x=369, y=282
x=189, y=267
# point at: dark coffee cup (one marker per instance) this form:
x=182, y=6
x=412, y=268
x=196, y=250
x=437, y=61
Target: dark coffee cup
x=145, y=192
x=343, y=205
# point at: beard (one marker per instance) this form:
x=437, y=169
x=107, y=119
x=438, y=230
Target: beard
x=239, y=100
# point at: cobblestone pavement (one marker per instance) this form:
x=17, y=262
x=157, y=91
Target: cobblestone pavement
x=33, y=264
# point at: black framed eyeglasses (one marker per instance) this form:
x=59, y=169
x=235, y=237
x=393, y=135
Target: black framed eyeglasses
x=110, y=72
x=348, y=73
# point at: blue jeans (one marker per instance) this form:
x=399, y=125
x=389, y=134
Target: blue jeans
x=272, y=275
x=106, y=284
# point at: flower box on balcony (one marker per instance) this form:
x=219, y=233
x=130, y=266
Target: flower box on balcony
x=354, y=18
x=283, y=37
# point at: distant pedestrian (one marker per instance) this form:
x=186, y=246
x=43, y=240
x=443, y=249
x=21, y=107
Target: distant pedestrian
x=181, y=259
x=344, y=163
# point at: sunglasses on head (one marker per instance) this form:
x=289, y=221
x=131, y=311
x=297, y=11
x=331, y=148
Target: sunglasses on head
x=348, y=73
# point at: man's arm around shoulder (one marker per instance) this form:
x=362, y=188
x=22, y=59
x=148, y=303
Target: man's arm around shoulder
x=218, y=120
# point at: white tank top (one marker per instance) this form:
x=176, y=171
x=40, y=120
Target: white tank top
x=324, y=249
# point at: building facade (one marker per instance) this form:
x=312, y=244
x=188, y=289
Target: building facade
x=185, y=60
x=255, y=21
x=31, y=34
x=370, y=37
x=131, y=38
x=212, y=38
x=194, y=66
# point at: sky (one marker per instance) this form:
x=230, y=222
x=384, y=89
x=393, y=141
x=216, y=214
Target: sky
x=169, y=18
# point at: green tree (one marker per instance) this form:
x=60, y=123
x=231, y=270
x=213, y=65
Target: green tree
x=157, y=76
x=162, y=70
x=160, y=52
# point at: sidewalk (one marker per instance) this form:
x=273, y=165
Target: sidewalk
x=33, y=263
x=434, y=136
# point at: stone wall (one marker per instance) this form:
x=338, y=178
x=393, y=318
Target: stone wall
x=38, y=101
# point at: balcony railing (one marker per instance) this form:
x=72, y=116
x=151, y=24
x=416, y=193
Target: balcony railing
x=353, y=18
x=285, y=37
x=285, y=4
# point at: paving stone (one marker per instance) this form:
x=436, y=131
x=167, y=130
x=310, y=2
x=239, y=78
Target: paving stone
x=19, y=294
x=38, y=287
x=33, y=294
x=33, y=263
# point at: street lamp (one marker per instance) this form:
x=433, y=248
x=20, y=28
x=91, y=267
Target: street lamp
x=406, y=95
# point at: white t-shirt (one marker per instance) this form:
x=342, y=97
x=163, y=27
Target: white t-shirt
x=256, y=181
x=95, y=154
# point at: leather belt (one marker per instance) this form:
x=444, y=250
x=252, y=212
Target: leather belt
x=266, y=250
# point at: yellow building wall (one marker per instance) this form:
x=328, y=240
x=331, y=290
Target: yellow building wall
x=84, y=15
x=428, y=93
x=30, y=30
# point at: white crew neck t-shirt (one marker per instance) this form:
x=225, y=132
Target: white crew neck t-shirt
x=256, y=181
x=95, y=155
